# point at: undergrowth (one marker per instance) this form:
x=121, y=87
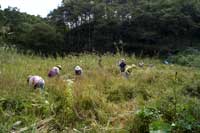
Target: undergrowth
x=154, y=98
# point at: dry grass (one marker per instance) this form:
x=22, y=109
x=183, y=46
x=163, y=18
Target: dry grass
x=99, y=101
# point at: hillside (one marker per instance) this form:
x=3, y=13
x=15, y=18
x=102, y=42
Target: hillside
x=148, y=27
x=152, y=99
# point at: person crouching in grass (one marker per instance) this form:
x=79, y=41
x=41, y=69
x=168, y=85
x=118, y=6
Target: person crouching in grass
x=78, y=71
x=129, y=70
x=36, y=82
x=54, y=71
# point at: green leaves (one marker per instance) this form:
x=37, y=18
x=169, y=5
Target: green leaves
x=189, y=57
x=148, y=114
x=159, y=126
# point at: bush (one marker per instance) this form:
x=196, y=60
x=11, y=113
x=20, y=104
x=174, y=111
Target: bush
x=143, y=119
x=159, y=125
x=188, y=117
x=44, y=38
x=189, y=57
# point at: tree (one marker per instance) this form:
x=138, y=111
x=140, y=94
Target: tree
x=44, y=39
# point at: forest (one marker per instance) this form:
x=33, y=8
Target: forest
x=147, y=27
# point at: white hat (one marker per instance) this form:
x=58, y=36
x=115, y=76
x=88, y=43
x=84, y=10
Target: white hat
x=78, y=68
x=122, y=59
x=59, y=66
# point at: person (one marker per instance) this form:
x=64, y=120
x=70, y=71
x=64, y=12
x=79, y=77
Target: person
x=151, y=65
x=36, y=82
x=141, y=64
x=129, y=69
x=166, y=62
x=78, y=70
x=54, y=71
x=122, y=65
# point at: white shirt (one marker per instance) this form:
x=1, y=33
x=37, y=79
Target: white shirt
x=56, y=70
x=33, y=80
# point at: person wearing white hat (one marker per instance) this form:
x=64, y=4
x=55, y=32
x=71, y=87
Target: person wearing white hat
x=78, y=70
x=54, y=71
x=122, y=65
x=36, y=82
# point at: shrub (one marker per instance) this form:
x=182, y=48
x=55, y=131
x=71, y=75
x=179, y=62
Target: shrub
x=159, y=126
x=143, y=118
x=189, y=57
x=188, y=117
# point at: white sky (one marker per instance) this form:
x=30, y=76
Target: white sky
x=33, y=7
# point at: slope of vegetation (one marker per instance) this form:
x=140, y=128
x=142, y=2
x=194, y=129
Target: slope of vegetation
x=153, y=98
x=29, y=33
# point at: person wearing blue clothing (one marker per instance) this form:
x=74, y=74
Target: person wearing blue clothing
x=122, y=65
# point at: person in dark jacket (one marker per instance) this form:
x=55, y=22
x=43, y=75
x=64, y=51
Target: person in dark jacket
x=122, y=65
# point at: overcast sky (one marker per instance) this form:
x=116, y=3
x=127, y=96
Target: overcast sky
x=33, y=7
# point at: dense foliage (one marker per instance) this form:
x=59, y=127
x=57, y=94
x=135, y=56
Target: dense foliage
x=141, y=26
x=28, y=32
x=150, y=26
x=189, y=57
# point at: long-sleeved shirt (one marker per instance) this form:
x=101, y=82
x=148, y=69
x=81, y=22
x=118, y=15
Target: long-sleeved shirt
x=36, y=82
x=122, y=66
x=53, y=72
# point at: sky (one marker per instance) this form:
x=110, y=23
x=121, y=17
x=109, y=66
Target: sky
x=33, y=7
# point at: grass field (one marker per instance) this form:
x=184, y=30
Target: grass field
x=152, y=99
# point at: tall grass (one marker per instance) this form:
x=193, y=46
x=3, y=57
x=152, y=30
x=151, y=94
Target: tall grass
x=99, y=101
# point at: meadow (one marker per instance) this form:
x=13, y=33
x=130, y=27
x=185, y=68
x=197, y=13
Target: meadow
x=160, y=98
